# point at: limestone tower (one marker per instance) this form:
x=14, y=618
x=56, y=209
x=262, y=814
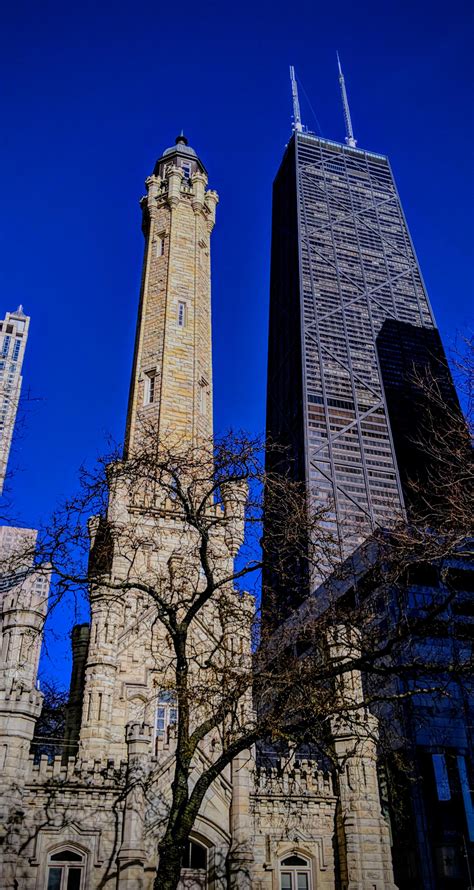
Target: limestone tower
x=171, y=384
x=171, y=395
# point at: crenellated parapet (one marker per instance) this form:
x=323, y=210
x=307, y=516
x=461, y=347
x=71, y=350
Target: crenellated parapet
x=101, y=773
x=290, y=778
x=138, y=737
x=16, y=697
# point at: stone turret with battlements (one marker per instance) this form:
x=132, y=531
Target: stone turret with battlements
x=23, y=604
x=24, y=589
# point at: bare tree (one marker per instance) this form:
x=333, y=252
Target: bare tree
x=50, y=726
x=178, y=530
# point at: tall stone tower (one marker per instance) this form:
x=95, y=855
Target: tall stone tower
x=13, y=337
x=171, y=385
x=171, y=399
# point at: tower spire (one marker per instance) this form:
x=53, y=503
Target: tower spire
x=345, y=104
x=297, y=125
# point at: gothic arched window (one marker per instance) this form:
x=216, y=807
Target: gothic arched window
x=195, y=856
x=66, y=870
x=166, y=714
x=295, y=873
x=194, y=867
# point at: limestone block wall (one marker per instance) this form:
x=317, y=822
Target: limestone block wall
x=64, y=804
x=129, y=658
x=98, y=809
x=293, y=810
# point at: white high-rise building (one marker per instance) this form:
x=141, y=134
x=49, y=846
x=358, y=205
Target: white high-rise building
x=13, y=337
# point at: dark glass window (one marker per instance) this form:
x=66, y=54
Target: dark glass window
x=195, y=856
x=66, y=856
x=295, y=860
x=54, y=878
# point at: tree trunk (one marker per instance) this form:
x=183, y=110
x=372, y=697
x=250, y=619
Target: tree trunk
x=169, y=867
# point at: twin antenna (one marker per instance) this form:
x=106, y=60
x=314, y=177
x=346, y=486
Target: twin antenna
x=298, y=126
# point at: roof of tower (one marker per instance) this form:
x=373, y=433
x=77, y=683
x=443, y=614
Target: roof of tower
x=19, y=312
x=182, y=149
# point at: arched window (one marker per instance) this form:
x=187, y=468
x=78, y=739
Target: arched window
x=66, y=870
x=195, y=856
x=166, y=715
x=295, y=873
x=194, y=868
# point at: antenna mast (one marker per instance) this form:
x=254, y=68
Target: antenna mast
x=345, y=104
x=297, y=125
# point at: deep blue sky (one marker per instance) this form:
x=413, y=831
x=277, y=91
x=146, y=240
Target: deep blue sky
x=93, y=94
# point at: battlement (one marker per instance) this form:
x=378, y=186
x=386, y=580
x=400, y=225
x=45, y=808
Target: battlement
x=138, y=732
x=16, y=695
x=73, y=770
x=288, y=777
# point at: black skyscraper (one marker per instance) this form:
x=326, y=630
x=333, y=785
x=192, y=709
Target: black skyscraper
x=351, y=339
x=343, y=265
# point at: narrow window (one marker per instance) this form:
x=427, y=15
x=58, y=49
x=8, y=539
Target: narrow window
x=159, y=245
x=166, y=714
x=16, y=350
x=181, y=314
x=150, y=387
x=203, y=395
x=6, y=345
x=186, y=168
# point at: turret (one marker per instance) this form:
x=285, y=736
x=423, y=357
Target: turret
x=131, y=858
x=363, y=834
x=80, y=643
x=23, y=607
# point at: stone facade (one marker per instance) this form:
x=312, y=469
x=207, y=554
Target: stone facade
x=93, y=816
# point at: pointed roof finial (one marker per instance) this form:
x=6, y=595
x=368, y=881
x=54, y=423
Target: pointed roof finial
x=345, y=104
x=297, y=125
